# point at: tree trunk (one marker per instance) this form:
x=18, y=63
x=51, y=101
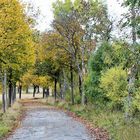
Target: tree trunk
x=81, y=73
x=10, y=87
x=55, y=89
x=10, y=93
x=61, y=90
x=34, y=91
x=3, y=100
x=43, y=92
x=20, y=91
x=133, y=70
x=5, y=89
x=48, y=92
x=14, y=93
x=4, y=92
x=64, y=84
x=131, y=88
x=80, y=86
x=72, y=85
x=133, y=18
x=38, y=89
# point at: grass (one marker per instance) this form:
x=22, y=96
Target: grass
x=112, y=121
x=9, y=119
x=3, y=130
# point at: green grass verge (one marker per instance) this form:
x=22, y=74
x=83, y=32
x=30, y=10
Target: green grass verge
x=112, y=121
x=9, y=119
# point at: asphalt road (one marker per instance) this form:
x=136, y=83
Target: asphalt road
x=42, y=123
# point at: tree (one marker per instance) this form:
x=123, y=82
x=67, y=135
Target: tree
x=133, y=22
x=93, y=16
x=105, y=57
x=54, y=46
x=78, y=26
x=16, y=46
x=49, y=59
x=132, y=18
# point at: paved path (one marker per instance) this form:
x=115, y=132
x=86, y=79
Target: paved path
x=42, y=123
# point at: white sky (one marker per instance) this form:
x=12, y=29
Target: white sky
x=46, y=16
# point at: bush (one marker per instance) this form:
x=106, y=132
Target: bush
x=114, y=85
x=68, y=95
x=136, y=100
x=106, y=56
x=99, y=61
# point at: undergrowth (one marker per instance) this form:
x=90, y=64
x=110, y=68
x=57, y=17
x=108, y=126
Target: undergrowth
x=113, y=121
x=9, y=119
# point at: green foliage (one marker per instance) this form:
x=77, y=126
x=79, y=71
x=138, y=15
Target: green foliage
x=16, y=45
x=105, y=57
x=132, y=18
x=132, y=2
x=93, y=15
x=68, y=96
x=78, y=28
x=62, y=8
x=136, y=100
x=96, y=65
x=78, y=99
x=107, y=78
x=113, y=83
x=3, y=130
x=15, y=34
x=48, y=68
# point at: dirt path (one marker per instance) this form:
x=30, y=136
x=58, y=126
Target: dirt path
x=43, y=123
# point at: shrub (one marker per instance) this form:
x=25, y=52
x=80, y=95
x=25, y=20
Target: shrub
x=114, y=85
x=136, y=99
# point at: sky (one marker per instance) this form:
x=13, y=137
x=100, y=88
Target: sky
x=46, y=14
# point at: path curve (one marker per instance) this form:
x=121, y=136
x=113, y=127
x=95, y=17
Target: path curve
x=41, y=123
